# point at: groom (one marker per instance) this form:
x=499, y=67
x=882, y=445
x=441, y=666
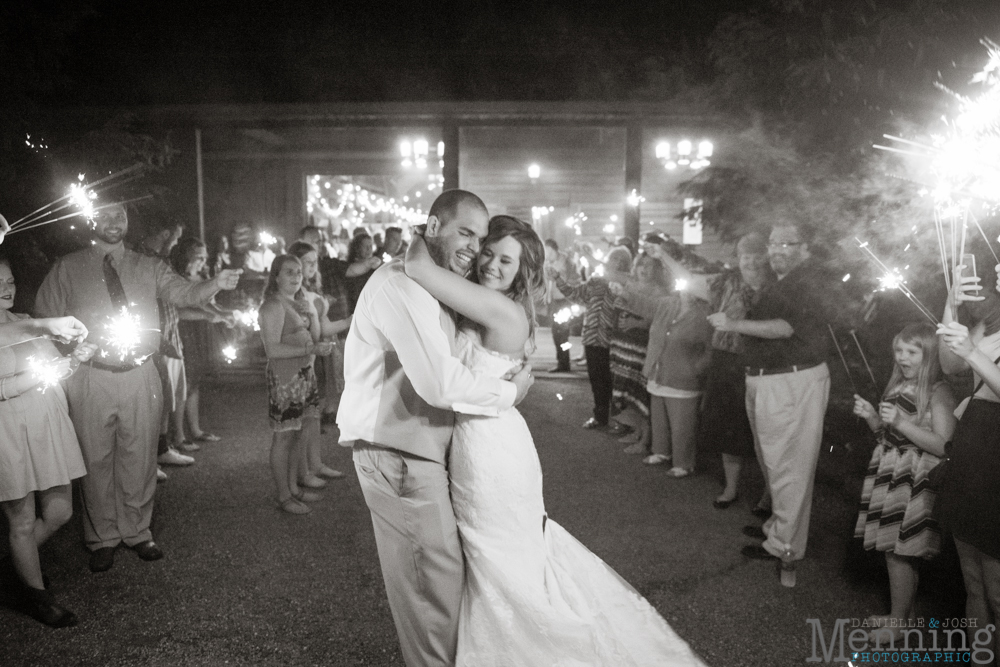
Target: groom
x=403, y=386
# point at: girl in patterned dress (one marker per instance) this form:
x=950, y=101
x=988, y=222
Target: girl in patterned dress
x=914, y=420
x=290, y=329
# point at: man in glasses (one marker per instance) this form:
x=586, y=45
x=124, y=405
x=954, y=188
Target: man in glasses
x=788, y=385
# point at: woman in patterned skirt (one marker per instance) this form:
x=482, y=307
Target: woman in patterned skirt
x=290, y=329
x=628, y=354
x=914, y=419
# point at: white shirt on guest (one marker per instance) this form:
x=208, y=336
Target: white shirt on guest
x=402, y=382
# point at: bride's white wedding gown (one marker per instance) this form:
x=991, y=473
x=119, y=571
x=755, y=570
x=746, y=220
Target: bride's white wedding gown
x=534, y=595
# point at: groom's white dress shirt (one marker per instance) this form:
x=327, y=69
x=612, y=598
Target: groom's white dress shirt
x=402, y=382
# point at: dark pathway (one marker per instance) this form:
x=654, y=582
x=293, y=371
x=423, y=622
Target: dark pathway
x=244, y=584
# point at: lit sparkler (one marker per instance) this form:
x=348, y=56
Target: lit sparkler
x=83, y=198
x=386, y=257
x=45, y=371
x=229, y=353
x=891, y=279
x=250, y=318
x=124, y=336
x=680, y=284
x=564, y=315
x=267, y=239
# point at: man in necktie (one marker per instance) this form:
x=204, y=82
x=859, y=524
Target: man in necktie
x=116, y=399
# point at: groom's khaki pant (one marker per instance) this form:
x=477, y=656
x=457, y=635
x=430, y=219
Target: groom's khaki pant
x=418, y=547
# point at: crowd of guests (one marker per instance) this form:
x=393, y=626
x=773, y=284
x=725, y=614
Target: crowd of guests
x=689, y=361
x=685, y=360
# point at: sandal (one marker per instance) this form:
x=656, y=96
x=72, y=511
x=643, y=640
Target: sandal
x=206, y=437
x=679, y=472
x=656, y=459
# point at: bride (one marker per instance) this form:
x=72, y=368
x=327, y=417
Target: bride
x=534, y=595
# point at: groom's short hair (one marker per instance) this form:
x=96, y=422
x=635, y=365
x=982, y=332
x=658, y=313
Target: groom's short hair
x=445, y=207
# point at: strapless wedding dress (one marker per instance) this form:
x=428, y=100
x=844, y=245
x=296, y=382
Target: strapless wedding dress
x=534, y=595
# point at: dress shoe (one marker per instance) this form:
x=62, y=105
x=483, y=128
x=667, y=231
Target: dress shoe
x=172, y=457
x=720, y=504
x=761, y=513
x=756, y=532
x=593, y=424
x=43, y=608
x=148, y=550
x=656, y=459
x=757, y=552
x=679, y=472
x=101, y=560
x=559, y=369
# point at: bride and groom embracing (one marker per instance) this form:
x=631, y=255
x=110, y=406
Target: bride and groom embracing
x=434, y=364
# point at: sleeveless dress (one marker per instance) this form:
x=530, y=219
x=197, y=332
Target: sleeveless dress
x=534, y=595
x=897, y=501
x=38, y=445
x=292, y=390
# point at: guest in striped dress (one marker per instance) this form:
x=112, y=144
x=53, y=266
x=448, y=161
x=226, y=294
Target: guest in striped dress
x=598, y=326
x=628, y=355
x=914, y=419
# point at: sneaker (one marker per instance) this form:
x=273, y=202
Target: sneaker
x=172, y=457
x=160, y=475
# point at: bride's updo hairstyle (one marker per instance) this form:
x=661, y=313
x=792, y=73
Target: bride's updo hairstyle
x=529, y=283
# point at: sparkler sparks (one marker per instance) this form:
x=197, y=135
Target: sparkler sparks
x=891, y=279
x=229, y=353
x=124, y=336
x=267, y=239
x=564, y=315
x=45, y=371
x=250, y=318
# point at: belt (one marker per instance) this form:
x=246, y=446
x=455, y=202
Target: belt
x=756, y=372
x=116, y=369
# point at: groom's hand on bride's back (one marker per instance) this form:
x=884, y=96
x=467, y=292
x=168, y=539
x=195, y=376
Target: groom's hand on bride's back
x=523, y=380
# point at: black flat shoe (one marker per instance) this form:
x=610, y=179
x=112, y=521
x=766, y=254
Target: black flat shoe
x=148, y=550
x=761, y=513
x=41, y=607
x=757, y=552
x=724, y=504
x=594, y=424
x=101, y=560
x=755, y=532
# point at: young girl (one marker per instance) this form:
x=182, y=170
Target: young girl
x=290, y=329
x=39, y=456
x=330, y=374
x=914, y=419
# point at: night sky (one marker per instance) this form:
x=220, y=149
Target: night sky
x=126, y=52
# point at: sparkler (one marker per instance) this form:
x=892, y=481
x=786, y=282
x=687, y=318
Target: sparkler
x=250, y=319
x=125, y=336
x=564, y=315
x=45, y=371
x=229, y=352
x=74, y=198
x=868, y=367
x=963, y=158
x=267, y=239
x=891, y=279
x=843, y=359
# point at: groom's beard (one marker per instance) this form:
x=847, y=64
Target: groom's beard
x=440, y=256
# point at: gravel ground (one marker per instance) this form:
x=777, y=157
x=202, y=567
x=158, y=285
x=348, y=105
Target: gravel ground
x=244, y=584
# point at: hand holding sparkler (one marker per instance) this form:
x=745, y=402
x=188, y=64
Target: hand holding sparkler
x=84, y=352
x=4, y=227
x=64, y=329
x=965, y=288
x=956, y=337
x=227, y=279
x=864, y=409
